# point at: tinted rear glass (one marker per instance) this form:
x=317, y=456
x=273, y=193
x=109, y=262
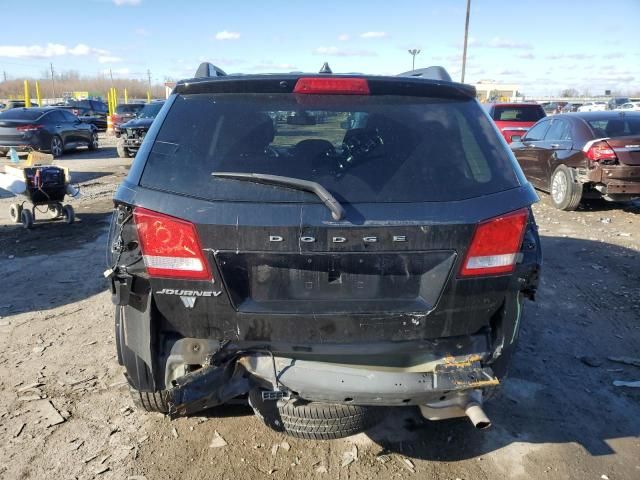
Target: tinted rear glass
x=531, y=113
x=20, y=114
x=361, y=148
x=615, y=127
x=150, y=110
x=128, y=108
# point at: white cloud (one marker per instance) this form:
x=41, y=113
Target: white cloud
x=226, y=35
x=268, y=65
x=343, y=52
x=119, y=3
x=49, y=50
x=344, y=37
x=498, y=42
x=109, y=59
x=527, y=56
x=373, y=35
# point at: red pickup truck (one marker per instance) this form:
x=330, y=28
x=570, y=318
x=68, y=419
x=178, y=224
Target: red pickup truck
x=514, y=118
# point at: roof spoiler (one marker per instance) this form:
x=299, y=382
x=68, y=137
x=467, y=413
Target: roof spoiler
x=430, y=73
x=206, y=70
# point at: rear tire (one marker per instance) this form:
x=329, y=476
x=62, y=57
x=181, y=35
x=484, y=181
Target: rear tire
x=56, y=147
x=15, y=212
x=27, y=218
x=314, y=420
x=150, y=401
x=123, y=152
x=566, y=191
x=93, y=144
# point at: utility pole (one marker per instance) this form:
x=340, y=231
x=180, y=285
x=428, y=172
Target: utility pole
x=4, y=74
x=149, y=79
x=111, y=75
x=466, y=36
x=414, y=52
x=53, y=82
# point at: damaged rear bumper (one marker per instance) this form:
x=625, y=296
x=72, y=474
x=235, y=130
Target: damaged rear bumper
x=322, y=382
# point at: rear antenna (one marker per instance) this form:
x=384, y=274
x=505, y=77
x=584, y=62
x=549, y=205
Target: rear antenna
x=325, y=68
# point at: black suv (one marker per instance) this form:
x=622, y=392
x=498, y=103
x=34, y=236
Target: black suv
x=131, y=134
x=325, y=269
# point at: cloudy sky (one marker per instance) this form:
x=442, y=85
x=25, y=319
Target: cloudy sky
x=544, y=45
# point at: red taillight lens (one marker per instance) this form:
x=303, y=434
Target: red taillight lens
x=495, y=245
x=170, y=246
x=599, y=151
x=28, y=128
x=332, y=86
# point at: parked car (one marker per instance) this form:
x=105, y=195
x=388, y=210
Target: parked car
x=630, y=106
x=583, y=155
x=132, y=133
x=15, y=104
x=124, y=112
x=571, y=107
x=553, y=108
x=514, y=118
x=326, y=272
x=47, y=129
x=593, y=107
x=90, y=111
x=616, y=102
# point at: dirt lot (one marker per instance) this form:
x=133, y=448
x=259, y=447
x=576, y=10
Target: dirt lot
x=65, y=411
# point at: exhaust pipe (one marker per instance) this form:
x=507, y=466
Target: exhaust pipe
x=476, y=414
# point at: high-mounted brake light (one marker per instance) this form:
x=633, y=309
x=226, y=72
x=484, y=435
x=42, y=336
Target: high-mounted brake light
x=332, y=86
x=495, y=245
x=170, y=246
x=600, y=150
x=28, y=128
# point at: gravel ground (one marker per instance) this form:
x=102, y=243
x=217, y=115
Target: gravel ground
x=65, y=410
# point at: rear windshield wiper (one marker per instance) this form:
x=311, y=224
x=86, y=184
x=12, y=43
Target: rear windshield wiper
x=337, y=211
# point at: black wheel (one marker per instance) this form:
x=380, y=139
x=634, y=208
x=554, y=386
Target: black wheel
x=566, y=191
x=56, y=147
x=150, y=401
x=123, y=152
x=314, y=420
x=68, y=214
x=93, y=144
x=27, y=218
x=55, y=210
x=15, y=212
x=3, y=152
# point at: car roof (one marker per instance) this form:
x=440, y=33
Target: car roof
x=518, y=104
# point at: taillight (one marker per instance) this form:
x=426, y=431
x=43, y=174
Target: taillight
x=332, y=86
x=28, y=128
x=600, y=150
x=495, y=245
x=170, y=246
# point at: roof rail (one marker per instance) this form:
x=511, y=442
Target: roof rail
x=207, y=69
x=431, y=73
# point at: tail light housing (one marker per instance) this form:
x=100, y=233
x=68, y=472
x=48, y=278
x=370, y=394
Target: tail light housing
x=495, y=245
x=29, y=128
x=170, y=246
x=600, y=151
x=332, y=86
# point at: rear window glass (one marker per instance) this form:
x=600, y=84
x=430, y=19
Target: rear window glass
x=531, y=113
x=360, y=148
x=128, y=108
x=615, y=127
x=20, y=114
x=150, y=110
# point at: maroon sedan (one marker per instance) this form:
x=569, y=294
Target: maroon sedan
x=583, y=155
